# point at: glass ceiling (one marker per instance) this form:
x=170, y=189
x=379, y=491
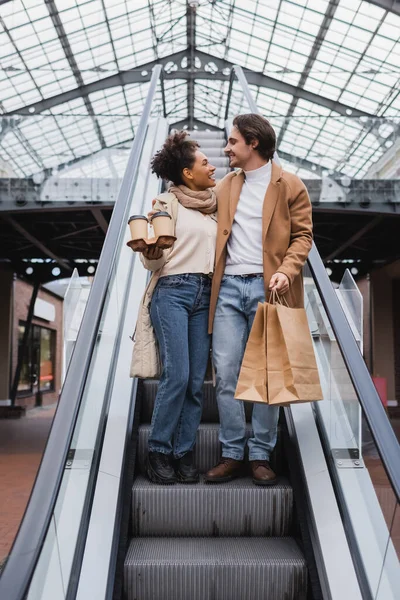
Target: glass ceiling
x=313, y=51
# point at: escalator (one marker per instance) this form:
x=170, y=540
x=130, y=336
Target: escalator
x=96, y=528
x=233, y=540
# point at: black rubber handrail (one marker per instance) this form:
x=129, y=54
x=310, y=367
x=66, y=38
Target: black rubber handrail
x=29, y=541
x=381, y=429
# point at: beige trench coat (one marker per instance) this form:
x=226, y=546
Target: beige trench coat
x=145, y=361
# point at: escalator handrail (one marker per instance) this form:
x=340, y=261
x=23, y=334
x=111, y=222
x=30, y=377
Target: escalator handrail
x=381, y=429
x=29, y=541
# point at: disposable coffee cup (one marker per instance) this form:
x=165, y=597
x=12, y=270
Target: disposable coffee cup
x=162, y=224
x=138, y=224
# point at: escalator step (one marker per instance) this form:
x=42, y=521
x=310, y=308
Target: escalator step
x=211, y=142
x=213, y=151
x=210, y=409
x=206, y=451
x=234, y=508
x=201, y=134
x=219, y=161
x=215, y=569
x=220, y=172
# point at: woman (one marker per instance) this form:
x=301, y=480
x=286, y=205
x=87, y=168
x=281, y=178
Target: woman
x=179, y=308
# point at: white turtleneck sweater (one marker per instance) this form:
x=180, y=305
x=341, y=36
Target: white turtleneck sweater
x=245, y=248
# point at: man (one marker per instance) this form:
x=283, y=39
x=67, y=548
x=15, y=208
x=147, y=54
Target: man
x=264, y=237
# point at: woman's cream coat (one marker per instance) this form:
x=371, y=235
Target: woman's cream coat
x=145, y=357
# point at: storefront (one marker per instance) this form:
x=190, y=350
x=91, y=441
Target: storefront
x=40, y=376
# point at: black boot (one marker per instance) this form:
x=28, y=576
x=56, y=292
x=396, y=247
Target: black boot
x=186, y=472
x=159, y=468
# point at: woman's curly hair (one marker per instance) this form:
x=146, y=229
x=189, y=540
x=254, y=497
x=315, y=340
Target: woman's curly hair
x=177, y=153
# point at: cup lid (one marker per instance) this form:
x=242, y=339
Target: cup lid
x=161, y=213
x=134, y=217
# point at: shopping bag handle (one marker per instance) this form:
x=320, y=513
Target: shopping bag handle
x=275, y=298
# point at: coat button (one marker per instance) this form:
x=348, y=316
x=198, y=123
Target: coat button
x=226, y=232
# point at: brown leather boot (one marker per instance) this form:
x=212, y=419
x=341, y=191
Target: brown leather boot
x=225, y=470
x=262, y=473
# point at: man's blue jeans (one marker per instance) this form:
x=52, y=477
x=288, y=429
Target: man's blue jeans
x=235, y=312
x=179, y=314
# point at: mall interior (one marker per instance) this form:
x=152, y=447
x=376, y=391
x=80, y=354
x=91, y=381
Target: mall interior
x=89, y=90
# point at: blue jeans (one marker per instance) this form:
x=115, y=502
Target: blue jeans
x=235, y=312
x=179, y=314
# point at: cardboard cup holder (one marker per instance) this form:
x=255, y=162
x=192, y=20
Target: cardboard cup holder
x=162, y=226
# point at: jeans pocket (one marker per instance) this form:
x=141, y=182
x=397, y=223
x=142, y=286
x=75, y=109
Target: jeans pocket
x=170, y=281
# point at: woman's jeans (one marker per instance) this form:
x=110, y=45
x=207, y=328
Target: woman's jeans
x=236, y=308
x=179, y=314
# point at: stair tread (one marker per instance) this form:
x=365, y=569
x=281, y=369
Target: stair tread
x=212, y=551
x=241, y=482
x=207, y=450
x=202, y=426
x=230, y=509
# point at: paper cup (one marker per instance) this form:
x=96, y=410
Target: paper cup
x=162, y=224
x=138, y=225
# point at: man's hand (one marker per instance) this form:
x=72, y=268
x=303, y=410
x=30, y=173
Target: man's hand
x=279, y=283
x=152, y=253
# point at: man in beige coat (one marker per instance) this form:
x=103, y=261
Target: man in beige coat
x=264, y=237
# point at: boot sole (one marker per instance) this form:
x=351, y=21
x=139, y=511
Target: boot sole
x=222, y=479
x=154, y=478
x=187, y=479
x=272, y=482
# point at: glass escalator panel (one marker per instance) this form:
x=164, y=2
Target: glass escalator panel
x=366, y=497
x=56, y=561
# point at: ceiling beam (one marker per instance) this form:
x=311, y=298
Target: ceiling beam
x=359, y=234
x=392, y=6
x=100, y=220
x=63, y=39
x=143, y=74
x=31, y=238
x=326, y=22
x=191, y=49
x=201, y=125
x=308, y=164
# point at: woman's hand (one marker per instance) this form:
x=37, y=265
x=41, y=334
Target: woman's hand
x=152, y=253
x=152, y=212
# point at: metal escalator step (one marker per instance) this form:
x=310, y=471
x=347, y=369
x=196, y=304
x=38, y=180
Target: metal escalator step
x=210, y=142
x=211, y=151
x=207, y=449
x=235, y=508
x=210, y=409
x=220, y=172
x=206, y=452
x=215, y=569
x=219, y=161
x=199, y=134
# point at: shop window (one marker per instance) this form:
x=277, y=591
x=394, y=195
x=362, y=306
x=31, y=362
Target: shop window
x=38, y=367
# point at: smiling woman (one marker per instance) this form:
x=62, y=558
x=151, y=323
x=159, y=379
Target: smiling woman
x=176, y=306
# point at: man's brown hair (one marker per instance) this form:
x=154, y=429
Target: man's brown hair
x=254, y=127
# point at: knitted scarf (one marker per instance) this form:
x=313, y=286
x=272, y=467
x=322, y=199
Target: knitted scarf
x=205, y=201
